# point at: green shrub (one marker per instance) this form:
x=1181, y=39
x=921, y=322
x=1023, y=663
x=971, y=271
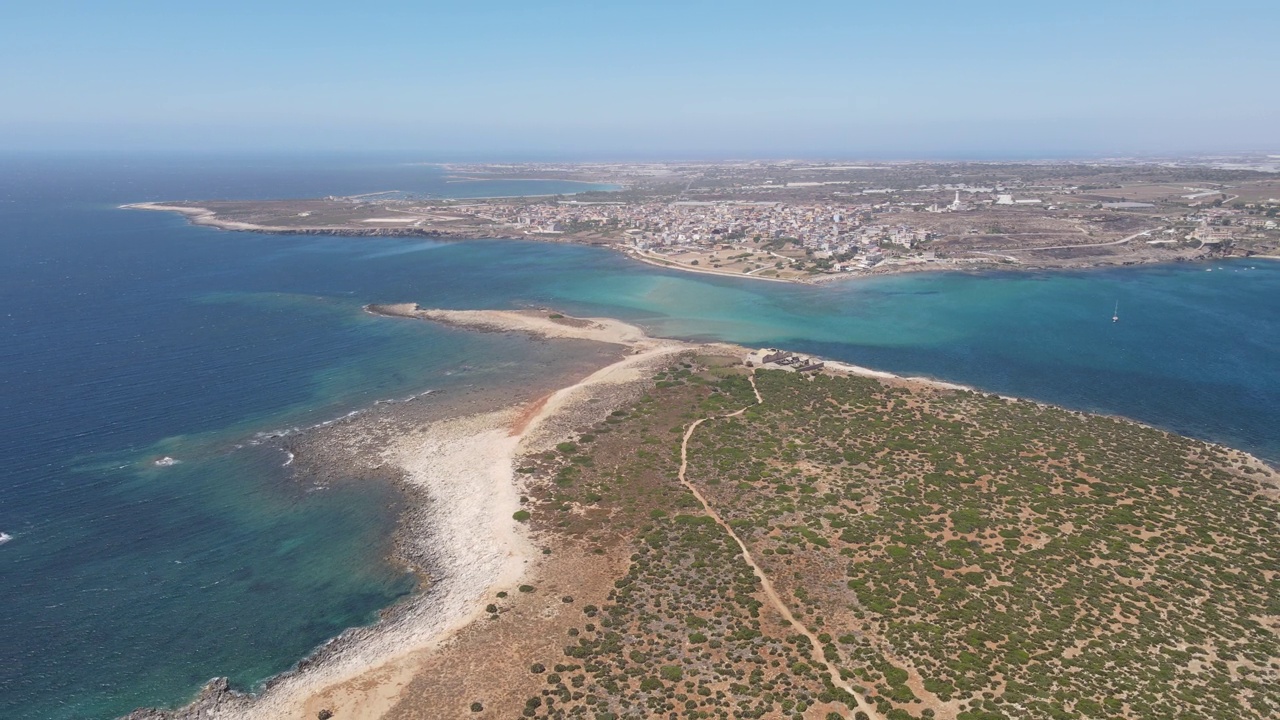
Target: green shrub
x=650, y=684
x=897, y=552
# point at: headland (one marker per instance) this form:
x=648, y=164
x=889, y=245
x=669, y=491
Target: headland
x=711, y=529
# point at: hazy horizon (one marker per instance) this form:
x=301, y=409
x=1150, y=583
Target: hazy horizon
x=412, y=156
x=704, y=80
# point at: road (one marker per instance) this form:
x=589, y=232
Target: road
x=1090, y=245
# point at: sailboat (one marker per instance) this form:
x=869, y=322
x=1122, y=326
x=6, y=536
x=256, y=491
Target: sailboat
x=1115, y=316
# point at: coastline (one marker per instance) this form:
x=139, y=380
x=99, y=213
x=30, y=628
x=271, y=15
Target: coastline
x=672, y=265
x=460, y=531
x=207, y=217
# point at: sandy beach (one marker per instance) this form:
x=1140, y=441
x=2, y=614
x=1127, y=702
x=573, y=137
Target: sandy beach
x=463, y=537
x=539, y=323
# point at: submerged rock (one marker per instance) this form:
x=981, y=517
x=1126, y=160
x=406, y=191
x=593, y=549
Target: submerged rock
x=215, y=695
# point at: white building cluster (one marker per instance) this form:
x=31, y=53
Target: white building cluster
x=827, y=229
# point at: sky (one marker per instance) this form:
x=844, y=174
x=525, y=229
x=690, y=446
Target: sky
x=693, y=79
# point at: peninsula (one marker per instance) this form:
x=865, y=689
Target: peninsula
x=705, y=531
x=809, y=222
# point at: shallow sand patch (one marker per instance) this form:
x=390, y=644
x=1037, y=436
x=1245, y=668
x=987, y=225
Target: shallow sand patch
x=463, y=467
x=540, y=323
x=465, y=530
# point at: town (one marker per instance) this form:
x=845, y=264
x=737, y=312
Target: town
x=886, y=229
x=809, y=222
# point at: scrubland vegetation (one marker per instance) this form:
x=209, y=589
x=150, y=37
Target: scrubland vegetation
x=957, y=555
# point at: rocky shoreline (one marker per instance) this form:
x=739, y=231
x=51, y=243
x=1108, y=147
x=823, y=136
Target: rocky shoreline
x=349, y=450
x=453, y=461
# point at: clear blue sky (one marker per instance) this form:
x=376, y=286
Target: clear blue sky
x=690, y=79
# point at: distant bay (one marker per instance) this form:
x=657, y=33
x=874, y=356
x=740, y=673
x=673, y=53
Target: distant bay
x=131, y=336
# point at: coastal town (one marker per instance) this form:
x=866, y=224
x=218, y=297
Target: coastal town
x=808, y=222
x=779, y=239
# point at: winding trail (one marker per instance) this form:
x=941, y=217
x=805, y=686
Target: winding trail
x=772, y=595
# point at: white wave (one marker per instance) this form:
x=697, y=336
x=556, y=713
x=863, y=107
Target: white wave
x=265, y=436
x=271, y=436
x=405, y=399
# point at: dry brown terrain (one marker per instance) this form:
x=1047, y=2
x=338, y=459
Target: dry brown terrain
x=962, y=556
x=895, y=217
x=709, y=540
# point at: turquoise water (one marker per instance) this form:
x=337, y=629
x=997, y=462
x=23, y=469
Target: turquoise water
x=1196, y=350
x=132, y=335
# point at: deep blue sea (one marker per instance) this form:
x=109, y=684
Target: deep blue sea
x=130, y=335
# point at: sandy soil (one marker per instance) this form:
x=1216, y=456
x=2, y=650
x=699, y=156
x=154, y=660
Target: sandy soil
x=539, y=323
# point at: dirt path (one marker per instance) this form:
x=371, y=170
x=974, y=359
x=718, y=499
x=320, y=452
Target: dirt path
x=770, y=593
x=1121, y=241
